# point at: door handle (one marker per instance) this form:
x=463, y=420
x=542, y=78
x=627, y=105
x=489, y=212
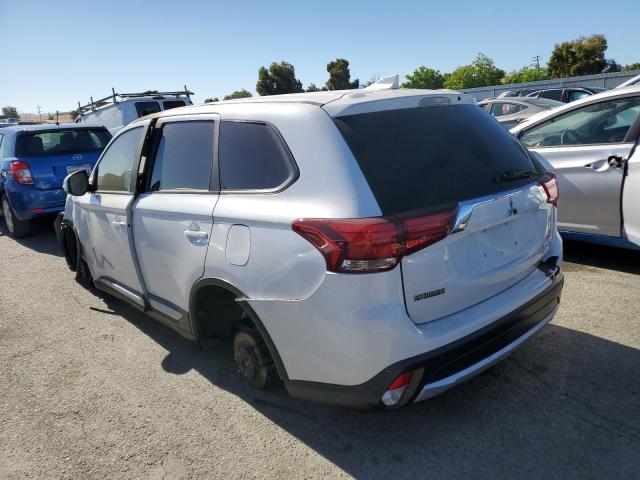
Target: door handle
x=119, y=224
x=197, y=235
x=598, y=165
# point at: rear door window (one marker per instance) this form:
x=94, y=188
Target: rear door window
x=252, y=156
x=169, y=104
x=416, y=158
x=147, y=108
x=552, y=94
x=61, y=142
x=116, y=164
x=577, y=95
x=184, y=157
x=499, y=109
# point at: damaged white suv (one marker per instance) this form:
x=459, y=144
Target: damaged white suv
x=370, y=248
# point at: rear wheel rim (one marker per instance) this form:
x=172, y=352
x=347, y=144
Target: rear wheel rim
x=8, y=215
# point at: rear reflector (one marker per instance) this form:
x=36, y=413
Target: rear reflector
x=36, y=210
x=550, y=184
x=20, y=172
x=394, y=392
x=364, y=245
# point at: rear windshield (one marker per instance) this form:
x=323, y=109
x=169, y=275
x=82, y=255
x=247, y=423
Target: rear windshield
x=421, y=157
x=60, y=142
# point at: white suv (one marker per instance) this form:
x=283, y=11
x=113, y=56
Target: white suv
x=370, y=248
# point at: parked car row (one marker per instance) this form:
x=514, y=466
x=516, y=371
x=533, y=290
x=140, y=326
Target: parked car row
x=368, y=248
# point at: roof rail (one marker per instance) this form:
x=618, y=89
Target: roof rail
x=391, y=82
x=113, y=98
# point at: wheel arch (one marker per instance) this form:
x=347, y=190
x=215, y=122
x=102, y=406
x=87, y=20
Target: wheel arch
x=244, y=305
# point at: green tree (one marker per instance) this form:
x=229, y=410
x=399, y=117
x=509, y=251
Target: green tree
x=423, y=77
x=582, y=56
x=211, y=100
x=314, y=88
x=481, y=73
x=633, y=66
x=340, y=76
x=278, y=79
x=238, y=94
x=10, y=112
x=526, y=74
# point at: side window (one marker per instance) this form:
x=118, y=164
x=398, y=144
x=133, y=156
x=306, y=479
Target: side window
x=577, y=95
x=184, y=157
x=252, y=156
x=598, y=123
x=169, y=104
x=147, y=108
x=485, y=106
x=498, y=109
x=552, y=94
x=116, y=165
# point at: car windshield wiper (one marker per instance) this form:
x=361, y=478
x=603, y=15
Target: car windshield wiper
x=511, y=175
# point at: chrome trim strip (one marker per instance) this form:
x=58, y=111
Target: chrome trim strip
x=436, y=388
x=465, y=209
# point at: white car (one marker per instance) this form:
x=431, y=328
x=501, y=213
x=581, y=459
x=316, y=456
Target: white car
x=119, y=109
x=591, y=145
x=370, y=248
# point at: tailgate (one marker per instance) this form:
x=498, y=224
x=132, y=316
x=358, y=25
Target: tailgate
x=495, y=243
x=50, y=171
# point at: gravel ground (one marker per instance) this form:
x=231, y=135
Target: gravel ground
x=90, y=388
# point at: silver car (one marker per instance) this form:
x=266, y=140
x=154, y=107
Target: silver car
x=591, y=145
x=511, y=111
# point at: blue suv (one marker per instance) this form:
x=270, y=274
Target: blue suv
x=34, y=160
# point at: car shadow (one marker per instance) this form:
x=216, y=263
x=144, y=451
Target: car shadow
x=42, y=238
x=567, y=404
x=579, y=254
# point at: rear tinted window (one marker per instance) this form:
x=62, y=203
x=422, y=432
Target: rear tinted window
x=252, y=156
x=60, y=142
x=185, y=157
x=552, y=94
x=420, y=157
x=169, y=104
x=147, y=108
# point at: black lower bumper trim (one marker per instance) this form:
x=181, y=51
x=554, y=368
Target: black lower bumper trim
x=440, y=363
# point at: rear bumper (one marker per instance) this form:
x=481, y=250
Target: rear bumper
x=437, y=370
x=28, y=202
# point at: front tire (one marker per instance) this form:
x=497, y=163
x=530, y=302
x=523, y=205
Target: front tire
x=252, y=359
x=17, y=228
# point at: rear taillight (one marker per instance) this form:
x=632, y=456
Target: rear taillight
x=364, y=245
x=550, y=184
x=393, y=393
x=20, y=173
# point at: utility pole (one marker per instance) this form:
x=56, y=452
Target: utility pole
x=536, y=61
x=39, y=114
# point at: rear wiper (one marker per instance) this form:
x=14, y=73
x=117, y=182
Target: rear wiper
x=511, y=175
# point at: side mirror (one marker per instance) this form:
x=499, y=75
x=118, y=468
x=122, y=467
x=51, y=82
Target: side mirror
x=77, y=183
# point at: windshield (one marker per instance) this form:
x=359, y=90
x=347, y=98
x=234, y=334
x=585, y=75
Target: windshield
x=61, y=142
x=415, y=158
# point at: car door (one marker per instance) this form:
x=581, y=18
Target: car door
x=173, y=214
x=588, y=147
x=102, y=216
x=631, y=191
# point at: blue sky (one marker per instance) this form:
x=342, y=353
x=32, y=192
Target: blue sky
x=58, y=52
